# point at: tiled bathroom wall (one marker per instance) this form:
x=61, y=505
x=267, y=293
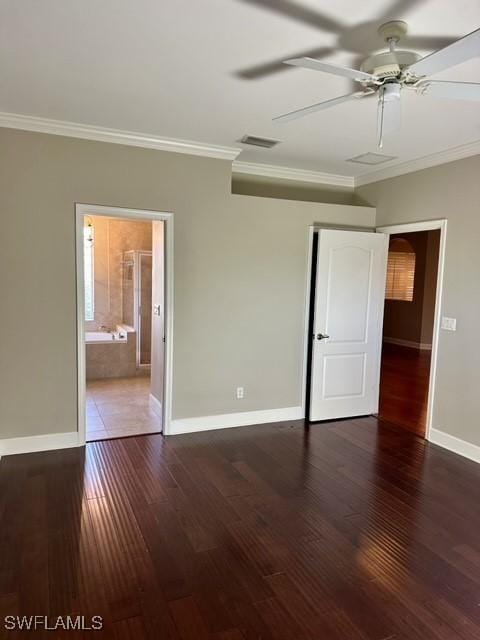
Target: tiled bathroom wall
x=112, y=237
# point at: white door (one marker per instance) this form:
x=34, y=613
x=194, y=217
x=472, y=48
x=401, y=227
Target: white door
x=348, y=319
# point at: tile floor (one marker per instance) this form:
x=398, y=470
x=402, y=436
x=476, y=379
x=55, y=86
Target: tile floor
x=118, y=407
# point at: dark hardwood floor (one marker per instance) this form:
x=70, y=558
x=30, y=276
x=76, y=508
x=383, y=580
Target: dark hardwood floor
x=404, y=387
x=345, y=530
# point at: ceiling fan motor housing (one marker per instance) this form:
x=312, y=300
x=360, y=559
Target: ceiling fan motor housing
x=389, y=64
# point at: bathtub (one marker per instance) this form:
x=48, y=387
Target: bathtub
x=111, y=354
x=106, y=337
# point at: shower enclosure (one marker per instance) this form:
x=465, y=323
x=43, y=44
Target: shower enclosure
x=137, y=300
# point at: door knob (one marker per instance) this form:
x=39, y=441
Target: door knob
x=322, y=336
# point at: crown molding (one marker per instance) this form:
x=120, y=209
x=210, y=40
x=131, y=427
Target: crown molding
x=289, y=173
x=116, y=136
x=190, y=147
x=432, y=160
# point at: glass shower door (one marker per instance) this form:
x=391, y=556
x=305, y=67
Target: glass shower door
x=145, y=308
x=128, y=289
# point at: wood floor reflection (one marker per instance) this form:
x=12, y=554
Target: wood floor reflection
x=404, y=387
x=347, y=530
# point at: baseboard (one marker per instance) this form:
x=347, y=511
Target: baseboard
x=157, y=404
x=229, y=420
x=462, y=447
x=44, y=442
x=423, y=346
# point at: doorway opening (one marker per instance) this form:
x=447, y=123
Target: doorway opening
x=124, y=322
x=408, y=328
x=357, y=364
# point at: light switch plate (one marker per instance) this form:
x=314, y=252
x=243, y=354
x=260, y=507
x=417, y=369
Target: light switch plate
x=449, y=324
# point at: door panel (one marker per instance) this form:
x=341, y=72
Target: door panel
x=344, y=376
x=349, y=296
x=349, y=270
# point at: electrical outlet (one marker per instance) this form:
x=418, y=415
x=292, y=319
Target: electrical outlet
x=449, y=324
x=240, y=393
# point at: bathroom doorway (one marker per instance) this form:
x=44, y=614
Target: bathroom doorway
x=123, y=324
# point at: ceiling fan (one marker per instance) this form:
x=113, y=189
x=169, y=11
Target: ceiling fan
x=388, y=73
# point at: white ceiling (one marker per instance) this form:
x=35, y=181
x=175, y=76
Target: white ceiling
x=173, y=68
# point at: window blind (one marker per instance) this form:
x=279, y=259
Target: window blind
x=400, y=276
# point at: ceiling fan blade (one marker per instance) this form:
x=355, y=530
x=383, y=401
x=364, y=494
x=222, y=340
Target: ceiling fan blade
x=449, y=90
x=305, y=111
x=311, y=63
x=457, y=52
x=264, y=69
x=427, y=43
x=398, y=8
x=389, y=111
x=292, y=9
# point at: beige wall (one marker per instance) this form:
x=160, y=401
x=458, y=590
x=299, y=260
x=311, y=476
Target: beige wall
x=240, y=273
x=291, y=190
x=449, y=191
x=240, y=265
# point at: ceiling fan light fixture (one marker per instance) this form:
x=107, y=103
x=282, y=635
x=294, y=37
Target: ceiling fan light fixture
x=391, y=91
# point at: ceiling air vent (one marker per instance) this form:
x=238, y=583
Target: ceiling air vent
x=255, y=141
x=371, y=158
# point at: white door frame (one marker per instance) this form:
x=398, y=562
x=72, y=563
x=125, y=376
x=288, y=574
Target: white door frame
x=82, y=210
x=412, y=227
